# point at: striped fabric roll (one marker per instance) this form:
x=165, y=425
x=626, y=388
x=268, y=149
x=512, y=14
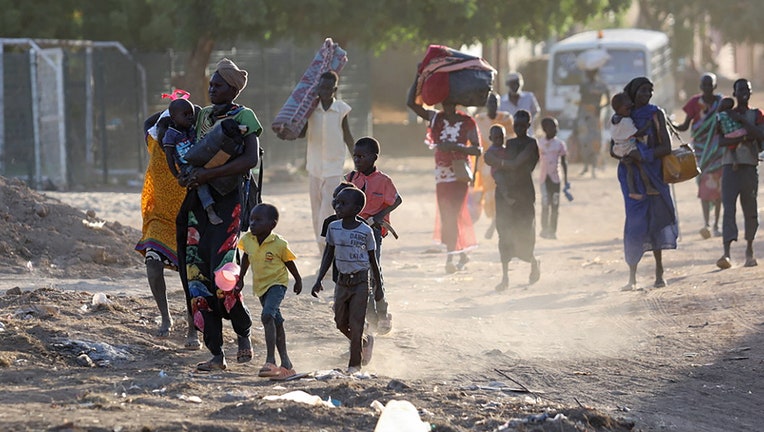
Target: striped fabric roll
x=293, y=116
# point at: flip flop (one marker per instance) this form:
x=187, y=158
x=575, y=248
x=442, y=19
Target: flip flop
x=268, y=370
x=724, y=263
x=210, y=366
x=284, y=374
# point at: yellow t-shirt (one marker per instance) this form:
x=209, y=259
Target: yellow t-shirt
x=266, y=261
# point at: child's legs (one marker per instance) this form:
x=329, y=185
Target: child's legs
x=350, y=314
x=545, y=202
x=342, y=295
x=553, y=191
x=730, y=190
x=630, y=178
x=645, y=179
x=376, y=310
x=205, y=196
x=272, y=319
x=749, y=189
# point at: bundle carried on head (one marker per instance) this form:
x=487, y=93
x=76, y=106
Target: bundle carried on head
x=592, y=59
x=293, y=116
x=451, y=76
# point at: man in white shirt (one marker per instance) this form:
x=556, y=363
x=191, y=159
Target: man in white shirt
x=328, y=136
x=516, y=99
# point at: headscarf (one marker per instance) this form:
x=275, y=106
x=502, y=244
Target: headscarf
x=634, y=85
x=231, y=74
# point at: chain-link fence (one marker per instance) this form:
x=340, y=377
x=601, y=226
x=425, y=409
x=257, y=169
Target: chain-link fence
x=73, y=111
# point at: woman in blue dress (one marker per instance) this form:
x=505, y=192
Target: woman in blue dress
x=651, y=223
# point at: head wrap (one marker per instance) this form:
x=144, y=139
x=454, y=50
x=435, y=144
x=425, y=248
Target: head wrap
x=634, y=85
x=235, y=77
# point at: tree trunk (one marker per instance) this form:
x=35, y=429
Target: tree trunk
x=195, y=79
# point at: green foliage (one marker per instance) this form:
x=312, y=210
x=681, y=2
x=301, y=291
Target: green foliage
x=375, y=24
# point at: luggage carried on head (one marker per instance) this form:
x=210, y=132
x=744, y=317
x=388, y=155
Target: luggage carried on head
x=451, y=76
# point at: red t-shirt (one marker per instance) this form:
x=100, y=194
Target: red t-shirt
x=379, y=190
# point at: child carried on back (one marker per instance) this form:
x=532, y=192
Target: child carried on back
x=625, y=136
x=730, y=128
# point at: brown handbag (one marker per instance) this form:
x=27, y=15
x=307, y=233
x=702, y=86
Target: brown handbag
x=679, y=165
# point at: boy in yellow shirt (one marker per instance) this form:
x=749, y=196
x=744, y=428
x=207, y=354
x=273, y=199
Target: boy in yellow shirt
x=269, y=257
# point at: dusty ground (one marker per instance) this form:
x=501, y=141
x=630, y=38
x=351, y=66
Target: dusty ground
x=688, y=357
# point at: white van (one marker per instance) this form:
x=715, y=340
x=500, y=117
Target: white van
x=633, y=53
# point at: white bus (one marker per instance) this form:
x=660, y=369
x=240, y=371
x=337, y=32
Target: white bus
x=633, y=53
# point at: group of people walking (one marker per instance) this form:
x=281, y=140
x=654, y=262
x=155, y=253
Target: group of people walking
x=223, y=230
x=728, y=157
x=219, y=230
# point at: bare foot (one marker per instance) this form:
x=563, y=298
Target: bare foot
x=192, y=342
x=535, y=272
x=164, y=328
x=463, y=260
x=502, y=286
x=491, y=229
x=213, y=217
x=450, y=268
x=631, y=286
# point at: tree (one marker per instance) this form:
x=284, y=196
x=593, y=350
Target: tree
x=197, y=25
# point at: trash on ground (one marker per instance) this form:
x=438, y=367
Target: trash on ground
x=301, y=397
x=400, y=415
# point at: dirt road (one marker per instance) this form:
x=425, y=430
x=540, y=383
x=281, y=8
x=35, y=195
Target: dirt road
x=687, y=357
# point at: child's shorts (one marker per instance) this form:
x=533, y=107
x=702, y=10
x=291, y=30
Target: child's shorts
x=353, y=279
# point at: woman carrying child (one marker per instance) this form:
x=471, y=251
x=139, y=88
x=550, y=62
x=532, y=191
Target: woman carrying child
x=650, y=222
x=511, y=167
x=204, y=247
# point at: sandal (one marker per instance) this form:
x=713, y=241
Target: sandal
x=244, y=355
x=283, y=374
x=724, y=263
x=268, y=370
x=211, y=365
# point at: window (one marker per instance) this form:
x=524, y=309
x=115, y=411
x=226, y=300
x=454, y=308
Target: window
x=623, y=66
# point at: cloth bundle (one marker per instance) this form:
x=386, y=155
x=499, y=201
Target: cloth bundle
x=592, y=59
x=448, y=75
x=293, y=116
x=222, y=142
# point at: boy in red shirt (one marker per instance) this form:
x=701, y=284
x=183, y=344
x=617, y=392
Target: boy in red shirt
x=381, y=198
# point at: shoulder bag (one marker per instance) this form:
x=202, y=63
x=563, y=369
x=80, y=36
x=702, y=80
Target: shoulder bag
x=679, y=165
